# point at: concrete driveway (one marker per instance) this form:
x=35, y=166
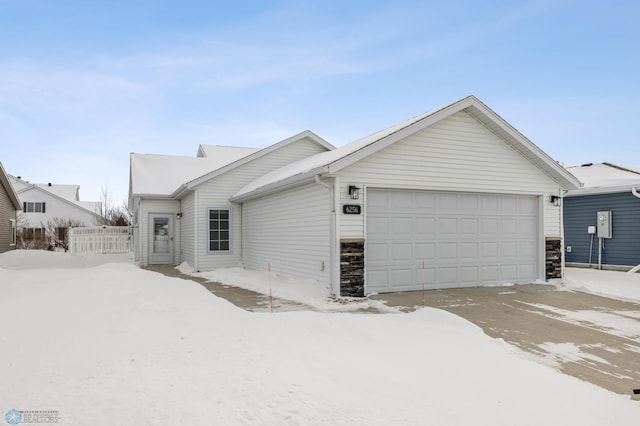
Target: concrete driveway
x=593, y=338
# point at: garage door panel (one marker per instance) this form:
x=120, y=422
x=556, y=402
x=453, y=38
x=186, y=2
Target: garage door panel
x=426, y=276
x=401, y=251
x=447, y=202
x=425, y=252
x=508, y=249
x=469, y=250
x=489, y=274
x=377, y=226
x=528, y=227
x=377, y=252
x=448, y=275
x=447, y=251
x=489, y=226
x=401, y=200
x=489, y=249
x=469, y=274
x=401, y=278
x=469, y=226
x=401, y=225
x=463, y=239
x=447, y=226
x=425, y=226
x=509, y=226
x=469, y=202
x=425, y=201
x=377, y=280
x=508, y=273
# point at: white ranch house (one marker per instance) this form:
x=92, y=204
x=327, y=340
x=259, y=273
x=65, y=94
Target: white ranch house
x=453, y=197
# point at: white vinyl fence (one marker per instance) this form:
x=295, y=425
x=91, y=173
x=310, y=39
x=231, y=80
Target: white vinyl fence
x=99, y=239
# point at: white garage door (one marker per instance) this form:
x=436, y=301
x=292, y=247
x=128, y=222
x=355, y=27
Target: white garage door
x=462, y=239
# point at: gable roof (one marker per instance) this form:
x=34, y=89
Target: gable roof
x=169, y=176
x=8, y=187
x=307, y=134
x=89, y=206
x=161, y=175
x=334, y=161
x=605, y=178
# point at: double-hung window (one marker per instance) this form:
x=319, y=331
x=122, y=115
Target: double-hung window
x=219, y=230
x=29, y=207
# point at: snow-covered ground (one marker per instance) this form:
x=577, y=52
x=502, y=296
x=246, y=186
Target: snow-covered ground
x=111, y=344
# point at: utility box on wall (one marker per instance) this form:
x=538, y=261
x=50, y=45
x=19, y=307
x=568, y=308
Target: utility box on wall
x=604, y=224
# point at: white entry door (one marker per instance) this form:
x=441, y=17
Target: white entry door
x=161, y=239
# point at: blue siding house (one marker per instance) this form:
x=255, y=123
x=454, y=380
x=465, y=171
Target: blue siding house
x=607, y=188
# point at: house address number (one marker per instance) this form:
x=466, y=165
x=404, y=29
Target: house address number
x=351, y=209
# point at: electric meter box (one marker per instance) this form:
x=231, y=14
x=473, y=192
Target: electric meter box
x=604, y=224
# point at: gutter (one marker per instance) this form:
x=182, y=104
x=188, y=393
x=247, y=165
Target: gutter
x=279, y=185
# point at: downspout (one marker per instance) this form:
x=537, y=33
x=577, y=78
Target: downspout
x=195, y=231
x=562, y=193
x=636, y=268
x=333, y=271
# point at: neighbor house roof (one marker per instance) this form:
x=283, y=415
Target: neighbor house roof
x=605, y=178
x=333, y=161
x=68, y=194
x=8, y=187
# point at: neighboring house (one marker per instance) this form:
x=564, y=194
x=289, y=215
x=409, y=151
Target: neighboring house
x=607, y=188
x=9, y=205
x=44, y=203
x=454, y=197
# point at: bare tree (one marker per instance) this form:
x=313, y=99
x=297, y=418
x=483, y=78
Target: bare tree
x=28, y=238
x=57, y=231
x=110, y=214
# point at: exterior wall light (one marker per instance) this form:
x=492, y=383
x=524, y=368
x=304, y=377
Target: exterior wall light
x=179, y=215
x=354, y=192
x=555, y=200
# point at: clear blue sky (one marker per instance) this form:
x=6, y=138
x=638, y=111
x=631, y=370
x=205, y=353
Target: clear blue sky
x=84, y=83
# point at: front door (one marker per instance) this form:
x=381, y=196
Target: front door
x=161, y=239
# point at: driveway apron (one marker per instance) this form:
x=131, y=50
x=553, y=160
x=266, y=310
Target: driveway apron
x=593, y=338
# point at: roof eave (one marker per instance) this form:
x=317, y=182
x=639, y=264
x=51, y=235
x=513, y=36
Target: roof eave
x=280, y=185
x=601, y=190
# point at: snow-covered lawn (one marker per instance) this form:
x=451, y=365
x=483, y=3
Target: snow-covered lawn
x=112, y=344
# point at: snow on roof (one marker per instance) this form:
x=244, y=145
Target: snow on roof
x=604, y=175
x=325, y=158
x=68, y=192
x=320, y=163
x=154, y=174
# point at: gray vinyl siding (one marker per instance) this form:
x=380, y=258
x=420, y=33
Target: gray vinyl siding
x=455, y=154
x=7, y=212
x=290, y=231
x=147, y=207
x=623, y=249
x=215, y=194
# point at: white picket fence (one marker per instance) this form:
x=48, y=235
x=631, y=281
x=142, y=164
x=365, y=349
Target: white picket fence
x=99, y=239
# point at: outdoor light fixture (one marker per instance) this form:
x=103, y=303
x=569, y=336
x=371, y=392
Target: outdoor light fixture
x=555, y=200
x=354, y=192
x=179, y=215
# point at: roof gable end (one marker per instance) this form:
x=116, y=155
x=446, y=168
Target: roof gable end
x=307, y=134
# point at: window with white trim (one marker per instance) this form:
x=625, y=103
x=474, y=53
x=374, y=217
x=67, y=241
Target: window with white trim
x=30, y=207
x=12, y=235
x=219, y=230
